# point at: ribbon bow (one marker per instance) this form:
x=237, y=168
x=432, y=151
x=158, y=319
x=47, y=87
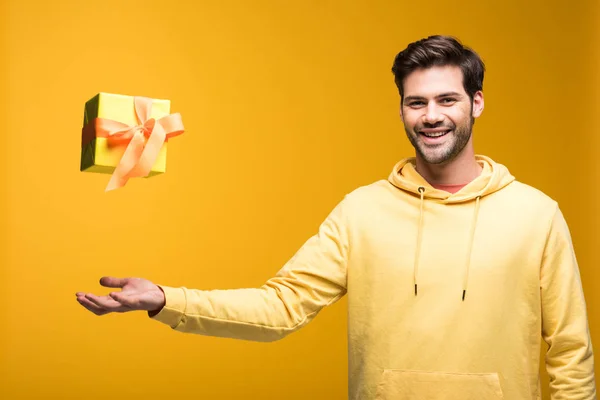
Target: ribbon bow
x=145, y=140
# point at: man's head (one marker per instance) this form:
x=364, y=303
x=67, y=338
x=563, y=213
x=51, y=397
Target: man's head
x=440, y=83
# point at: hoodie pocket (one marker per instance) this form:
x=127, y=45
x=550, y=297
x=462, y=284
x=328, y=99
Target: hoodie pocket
x=418, y=385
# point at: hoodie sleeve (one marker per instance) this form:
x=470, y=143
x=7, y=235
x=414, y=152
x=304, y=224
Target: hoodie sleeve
x=313, y=278
x=569, y=359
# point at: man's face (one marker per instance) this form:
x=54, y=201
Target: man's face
x=438, y=114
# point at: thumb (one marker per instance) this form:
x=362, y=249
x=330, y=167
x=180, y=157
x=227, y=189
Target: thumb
x=110, y=281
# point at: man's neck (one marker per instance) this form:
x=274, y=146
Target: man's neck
x=459, y=171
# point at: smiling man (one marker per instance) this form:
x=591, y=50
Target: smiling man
x=455, y=271
x=439, y=107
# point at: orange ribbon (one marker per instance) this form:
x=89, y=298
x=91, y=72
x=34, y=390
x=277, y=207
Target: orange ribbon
x=140, y=154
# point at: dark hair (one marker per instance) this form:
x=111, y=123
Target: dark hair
x=440, y=50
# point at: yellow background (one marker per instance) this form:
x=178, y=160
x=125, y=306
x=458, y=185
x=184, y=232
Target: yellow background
x=287, y=107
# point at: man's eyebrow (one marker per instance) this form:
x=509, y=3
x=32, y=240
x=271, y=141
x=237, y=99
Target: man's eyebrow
x=409, y=98
x=449, y=94
x=446, y=94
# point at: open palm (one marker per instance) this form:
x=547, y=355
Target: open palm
x=135, y=294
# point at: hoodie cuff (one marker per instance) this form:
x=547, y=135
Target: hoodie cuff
x=174, y=309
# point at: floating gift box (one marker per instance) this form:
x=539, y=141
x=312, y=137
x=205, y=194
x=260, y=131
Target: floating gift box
x=127, y=136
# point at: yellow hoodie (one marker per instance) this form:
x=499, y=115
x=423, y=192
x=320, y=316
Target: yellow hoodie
x=449, y=295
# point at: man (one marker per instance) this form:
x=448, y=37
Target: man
x=454, y=270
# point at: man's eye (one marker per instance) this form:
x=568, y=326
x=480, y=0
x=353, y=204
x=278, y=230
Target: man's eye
x=448, y=100
x=415, y=103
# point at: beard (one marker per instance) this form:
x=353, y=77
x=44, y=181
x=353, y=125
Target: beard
x=453, y=143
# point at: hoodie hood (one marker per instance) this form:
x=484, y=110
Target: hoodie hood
x=493, y=177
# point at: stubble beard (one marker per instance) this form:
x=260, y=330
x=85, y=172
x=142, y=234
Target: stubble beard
x=445, y=152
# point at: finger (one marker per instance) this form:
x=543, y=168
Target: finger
x=105, y=302
x=91, y=306
x=113, y=282
x=128, y=301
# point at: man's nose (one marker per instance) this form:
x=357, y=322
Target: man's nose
x=432, y=114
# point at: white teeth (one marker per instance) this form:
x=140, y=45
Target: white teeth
x=435, y=134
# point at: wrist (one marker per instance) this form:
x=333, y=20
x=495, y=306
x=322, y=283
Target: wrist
x=152, y=313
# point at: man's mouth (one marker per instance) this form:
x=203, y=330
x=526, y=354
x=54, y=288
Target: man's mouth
x=434, y=133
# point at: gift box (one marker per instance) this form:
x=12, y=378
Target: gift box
x=127, y=136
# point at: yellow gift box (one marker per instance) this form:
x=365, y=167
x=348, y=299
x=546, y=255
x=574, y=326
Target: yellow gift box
x=126, y=136
x=98, y=155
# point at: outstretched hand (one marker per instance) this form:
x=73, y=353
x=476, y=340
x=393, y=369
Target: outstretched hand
x=136, y=294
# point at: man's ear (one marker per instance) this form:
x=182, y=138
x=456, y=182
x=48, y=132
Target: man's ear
x=478, y=104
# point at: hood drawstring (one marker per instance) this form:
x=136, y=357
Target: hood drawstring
x=419, y=234
x=471, y=239
x=470, y=245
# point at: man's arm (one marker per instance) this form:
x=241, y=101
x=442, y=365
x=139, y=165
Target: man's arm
x=312, y=279
x=569, y=360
